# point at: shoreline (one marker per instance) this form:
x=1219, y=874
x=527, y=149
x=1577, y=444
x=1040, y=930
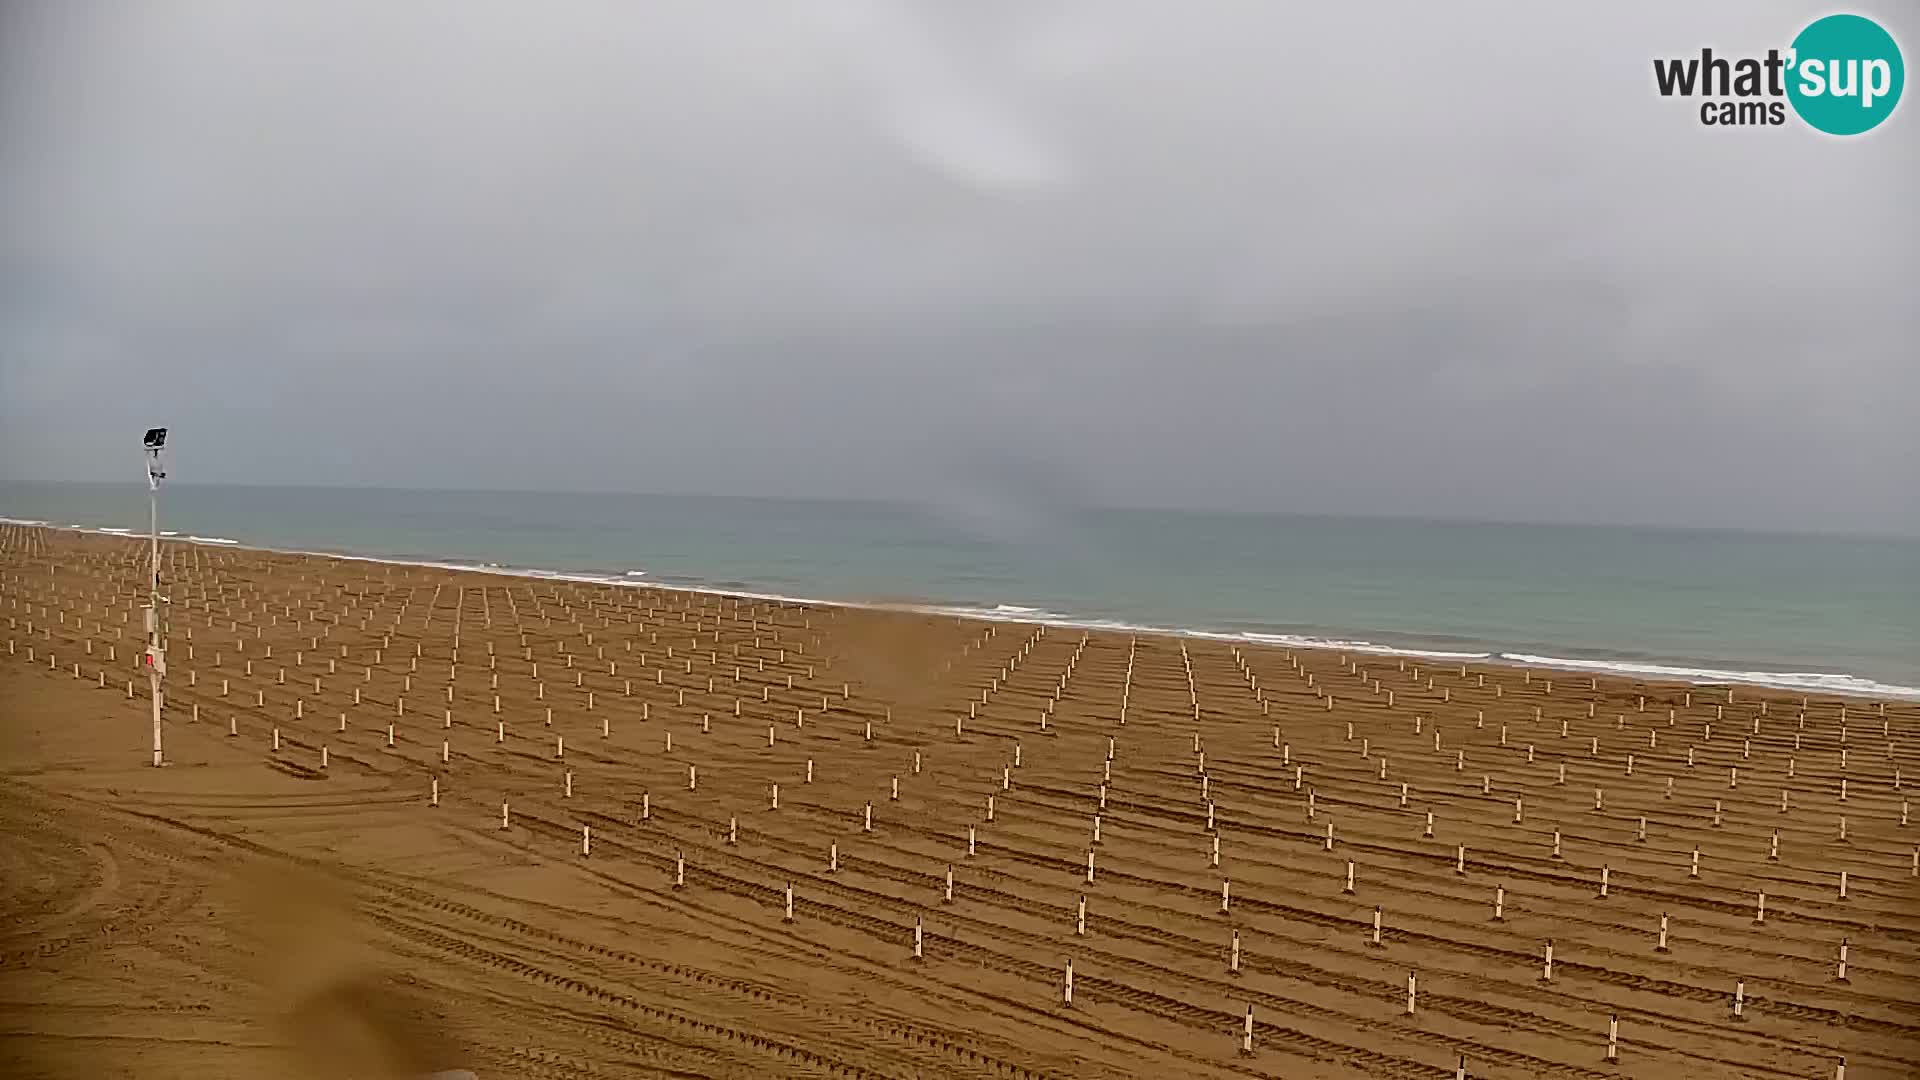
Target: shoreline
x=1842, y=684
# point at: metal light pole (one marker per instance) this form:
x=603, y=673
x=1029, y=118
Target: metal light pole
x=156, y=439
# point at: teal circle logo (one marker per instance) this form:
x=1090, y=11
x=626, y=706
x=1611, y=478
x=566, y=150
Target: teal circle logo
x=1846, y=74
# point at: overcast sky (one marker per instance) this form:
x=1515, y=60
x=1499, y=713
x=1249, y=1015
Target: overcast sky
x=1412, y=258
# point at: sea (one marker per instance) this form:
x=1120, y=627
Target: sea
x=1821, y=613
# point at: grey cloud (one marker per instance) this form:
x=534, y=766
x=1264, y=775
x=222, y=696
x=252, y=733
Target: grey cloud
x=1453, y=260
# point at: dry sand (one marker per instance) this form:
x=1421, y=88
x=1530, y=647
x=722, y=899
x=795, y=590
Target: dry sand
x=247, y=912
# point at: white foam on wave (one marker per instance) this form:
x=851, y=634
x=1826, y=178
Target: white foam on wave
x=1117, y=626
x=528, y=572
x=997, y=613
x=1819, y=681
x=116, y=532
x=212, y=540
x=1301, y=641
x=1019, y=613
x=474, y=568
x=636, y=573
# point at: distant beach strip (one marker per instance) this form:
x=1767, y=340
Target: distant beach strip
x=1829, y=683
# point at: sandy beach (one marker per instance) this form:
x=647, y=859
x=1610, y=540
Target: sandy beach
x=419, y=819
